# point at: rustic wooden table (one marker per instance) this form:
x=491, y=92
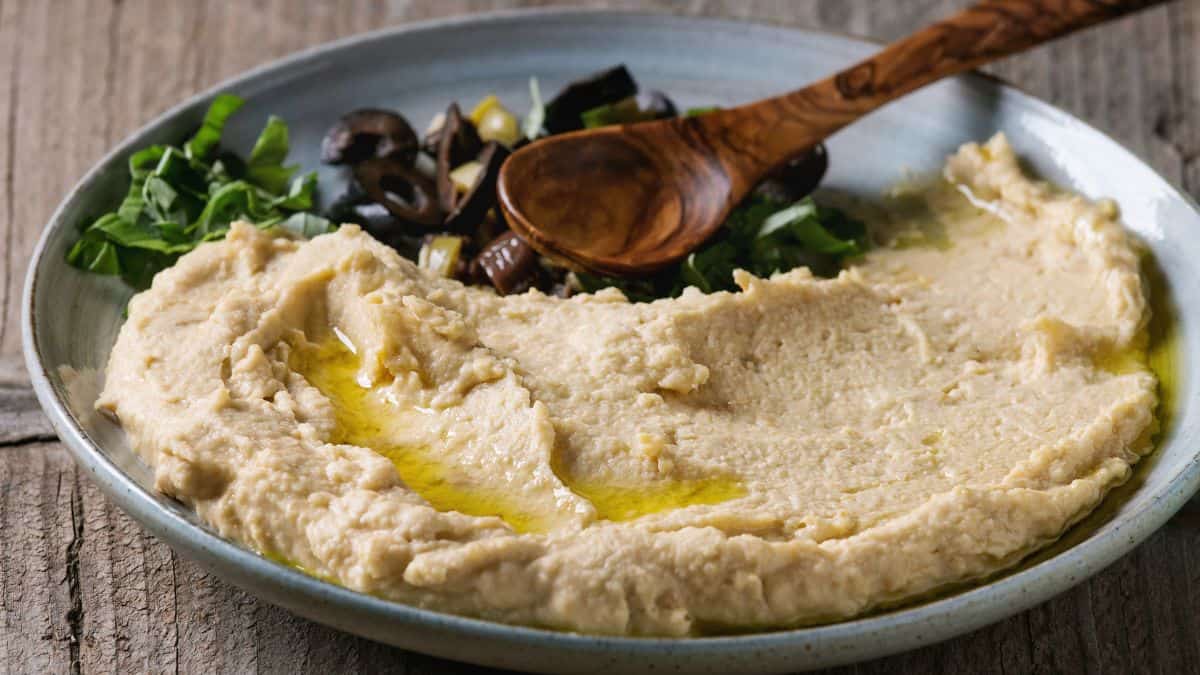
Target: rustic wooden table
x=84, y=589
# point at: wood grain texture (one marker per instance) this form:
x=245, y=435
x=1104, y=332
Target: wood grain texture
x=83, y=589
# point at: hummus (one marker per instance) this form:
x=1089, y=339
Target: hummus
x=801, y=451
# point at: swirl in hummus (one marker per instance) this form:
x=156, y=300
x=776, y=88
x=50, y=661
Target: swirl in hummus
x=801, y=451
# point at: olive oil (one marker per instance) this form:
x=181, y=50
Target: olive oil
x=1162, y=353
x=1156, y=348
x=365, y=419
x=1131, y=359
x=621, y=502
x=276, y=557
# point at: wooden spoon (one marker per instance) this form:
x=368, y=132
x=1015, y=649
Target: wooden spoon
x=628, y=200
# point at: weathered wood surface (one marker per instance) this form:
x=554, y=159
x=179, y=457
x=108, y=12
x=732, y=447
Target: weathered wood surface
x=83, y=589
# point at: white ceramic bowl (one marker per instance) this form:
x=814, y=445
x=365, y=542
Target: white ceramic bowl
x=72, y=318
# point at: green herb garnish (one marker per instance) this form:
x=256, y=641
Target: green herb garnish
x=179, y=197
x=625, y=111
x=532, y=125
x=761, y=236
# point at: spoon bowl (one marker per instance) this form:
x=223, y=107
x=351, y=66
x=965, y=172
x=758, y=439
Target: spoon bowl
x=641, y=192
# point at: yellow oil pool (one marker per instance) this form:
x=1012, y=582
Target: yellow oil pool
x=620, y=502
x=1162, y=352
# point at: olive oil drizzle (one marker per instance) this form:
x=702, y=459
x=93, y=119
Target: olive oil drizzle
x=366, y=419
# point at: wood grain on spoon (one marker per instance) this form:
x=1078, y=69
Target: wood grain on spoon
x=628, y=200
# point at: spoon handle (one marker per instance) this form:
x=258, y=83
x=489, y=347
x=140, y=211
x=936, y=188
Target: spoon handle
x=762, y=136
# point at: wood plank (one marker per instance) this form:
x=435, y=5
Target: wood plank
x=39, y=519
x=21, y=420
x=11, y=47
x=85, y=589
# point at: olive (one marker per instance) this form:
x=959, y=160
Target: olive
x=355, y=206
x=508, y=262
x=341, y=210
x=796, y=179
x=458, y=143
x=563, y=112
x=656, y=105
x=369, y=132
x=405, y=192
x=468, y=210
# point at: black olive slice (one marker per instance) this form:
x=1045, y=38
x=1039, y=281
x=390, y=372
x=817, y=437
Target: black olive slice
x=797, y=179
x=341, y=210
x=405, y=192
x=369, y=132
x=458, y=144
x=468, y=211
x=508, y=263
x=608, y=86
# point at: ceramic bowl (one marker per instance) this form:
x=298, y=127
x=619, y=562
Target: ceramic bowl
x=71, y=319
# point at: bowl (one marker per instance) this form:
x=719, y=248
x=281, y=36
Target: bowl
x=70, y=319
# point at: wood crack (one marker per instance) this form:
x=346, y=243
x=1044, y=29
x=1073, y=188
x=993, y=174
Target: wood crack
x=74, y=588
x=27, y=440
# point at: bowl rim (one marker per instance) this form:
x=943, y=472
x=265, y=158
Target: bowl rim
x=990, y=601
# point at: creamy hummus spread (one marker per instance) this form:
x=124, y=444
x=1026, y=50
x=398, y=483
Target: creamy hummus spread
x=801, y=451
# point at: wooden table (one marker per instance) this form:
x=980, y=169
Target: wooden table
x=83, y=589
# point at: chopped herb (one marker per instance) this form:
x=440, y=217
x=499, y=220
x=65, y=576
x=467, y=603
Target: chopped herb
x=532, y=125
x=702, y=110
x=208, y=137
x=761, y=236
x=625, y=111
x=265, y=167
x=179, y=197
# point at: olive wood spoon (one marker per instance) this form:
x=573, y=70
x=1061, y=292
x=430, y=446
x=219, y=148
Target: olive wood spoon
x=628, y=200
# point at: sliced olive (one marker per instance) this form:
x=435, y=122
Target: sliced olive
x=341, y=210
x=369, y=132
x=355, y=206
x=563, y=112
x=656, y=104
x=469, y=209
x=797, y=178
x=405, y=192
x=510, y=264
x=458, y=143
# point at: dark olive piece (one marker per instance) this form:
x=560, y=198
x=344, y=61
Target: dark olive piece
x=798, y=178
x=369, y=132
x=341, y=210
x=509, y=263
x=469, y=210
x=608, y=86
x=405, y=192
x=656, y=103
x=458, y=144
